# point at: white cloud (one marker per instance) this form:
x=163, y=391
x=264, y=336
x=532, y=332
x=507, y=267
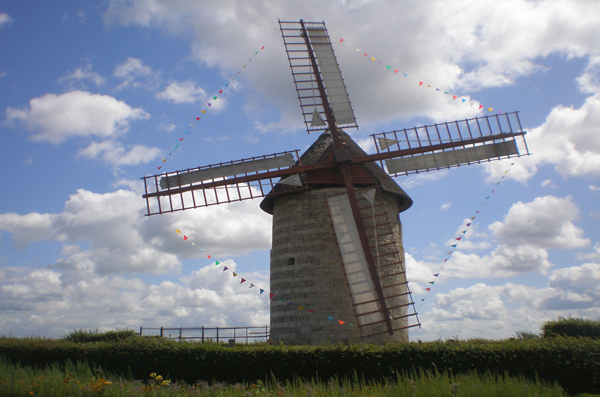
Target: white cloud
x=589, y=81
x=84, y=73
x=123, y=240
x=544, y=223
x=55, y=118
x=53, y=303
x=115, y=154
x=5, y=19
x=452, y=45
x=446, y=206
x=595, y=255
x=182, y=92
x=135, y=74
x=594, y=188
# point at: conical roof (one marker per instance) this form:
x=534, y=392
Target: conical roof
x=365, y=174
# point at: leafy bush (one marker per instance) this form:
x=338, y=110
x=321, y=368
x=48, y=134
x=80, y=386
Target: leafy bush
x=573, y=327
x=83, y=336
x=573, y=363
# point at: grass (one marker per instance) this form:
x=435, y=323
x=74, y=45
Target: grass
x=81, y=380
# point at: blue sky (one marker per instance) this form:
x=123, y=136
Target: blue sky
x=94, y=94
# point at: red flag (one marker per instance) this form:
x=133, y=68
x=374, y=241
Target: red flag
x=420, y=83
x=181, y=139
x=185, y=238
x=271, y=295
x=365, y=54
x=395, y=70
x=208, y=256
x=341, y=322
x=220, y=91
x=341, y=40
x=311, y=311
x=428, y=289
x=454, y=97
x=458, y=238
x=159, y=167
x=243, y=281
x=197, y=118
x=480, y=106
x=262, y=48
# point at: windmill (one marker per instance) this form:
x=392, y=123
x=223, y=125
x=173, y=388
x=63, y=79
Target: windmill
x=337, y=236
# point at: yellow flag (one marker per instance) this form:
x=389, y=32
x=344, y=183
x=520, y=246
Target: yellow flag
x=177, y=230
x=490, y=109
x=234, y=274
x=372, y=59
x=203, y=111
x=164, y=161
x=300, y=307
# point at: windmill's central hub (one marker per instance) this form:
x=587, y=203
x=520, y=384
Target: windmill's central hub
x=342, y=156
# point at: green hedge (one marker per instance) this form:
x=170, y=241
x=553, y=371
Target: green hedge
x=82, y=335
x=572, y=362
x=574, y=327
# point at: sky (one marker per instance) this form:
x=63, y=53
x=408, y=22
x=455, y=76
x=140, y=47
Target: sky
x=93, y=95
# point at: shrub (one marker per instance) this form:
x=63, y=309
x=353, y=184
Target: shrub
x=571, y=327
x=83, y=336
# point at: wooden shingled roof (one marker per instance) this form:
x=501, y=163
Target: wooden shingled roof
x=365, y=174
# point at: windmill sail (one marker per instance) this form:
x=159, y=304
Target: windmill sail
x=453, y=144
x=304, y=76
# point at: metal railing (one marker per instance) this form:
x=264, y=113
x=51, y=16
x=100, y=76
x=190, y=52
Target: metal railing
x=206, y=334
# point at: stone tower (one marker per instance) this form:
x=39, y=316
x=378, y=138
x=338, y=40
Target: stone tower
x=308, y=276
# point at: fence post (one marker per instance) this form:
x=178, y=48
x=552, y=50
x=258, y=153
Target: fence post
x=140, y=331
x=203, y=334
x=266, y=333
x=161, y=332
x=180, y=334
x=217, y=334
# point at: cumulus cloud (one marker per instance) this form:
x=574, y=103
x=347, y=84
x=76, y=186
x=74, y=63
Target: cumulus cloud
x=182, y=92
x=135, y=74
x=443, y=43
x=55, y=118
x=51, y=302
x=544, y=223
x=5, y=19
x=123, y=240
x=115, y=154
x=83, y=73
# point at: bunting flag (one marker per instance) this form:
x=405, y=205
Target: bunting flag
x=185, y=238
x=468, y=224
x=214, y=97
x=243, y=281
x=464, y=99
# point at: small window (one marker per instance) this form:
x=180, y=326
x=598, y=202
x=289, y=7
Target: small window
x=291, y=261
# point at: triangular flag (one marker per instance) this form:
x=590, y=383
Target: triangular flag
x=193, y=243
x=300, y=307
x=271, y=295
x=293, y=180
x=464, y=100
x=290, y=303
x=365, y=54
x=468, y=224
x=436, y=274
x=480, y=106
x=208, y=256
x=420, y=83
x=234, y=274
x=185, y=238
x=473, y=217
x=187, y=132
x=243, y=281
x=453, y=245
x=370, y=195
x=220, y=91
x=372, y=59
x=317, y=120
x=432, y=282
x=311, y=311
x=217, y=263
x=389, y=67
x=176, y=146
x=423, y=300
x=454, y=97
x=427, y=289
x=341, y=322
x=262, y=48
x=464, y=232
x=262, y=290
x=164, y=161
x=458, y=238
x=201, y=250
x=203, y=111
x=177, y=230
x=215, y=98
x=477, y=212
x=209, y=104
x=385, y=143
x=252, y=285
x=395, y=70
x=180, y=139
x=191, y=125
x=197, y=118
x=329, y=318
x=445, y=260
x=490, y=109
x=225, y=268
x=159, y=167
x=341, y=40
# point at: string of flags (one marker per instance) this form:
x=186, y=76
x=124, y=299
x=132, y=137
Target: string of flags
x=203, y=111
x=462, y=98
x=262, y=290
x=457, y=240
